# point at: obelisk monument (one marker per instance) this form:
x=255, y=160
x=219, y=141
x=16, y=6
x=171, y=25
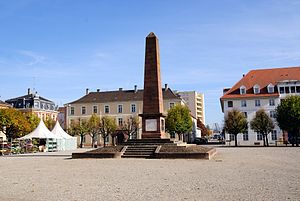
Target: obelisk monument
x=153, y=122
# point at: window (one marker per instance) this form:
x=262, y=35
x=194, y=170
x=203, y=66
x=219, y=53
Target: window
x=72, y=111
x=281, y=90
x=287, y=90
x=270, y=88
x=83, y=110
x=172, y=135
x=274, y=135
x=133, y=108
x=246, y=136
x=120, y=108
x=243, y=103
x=107, y=139
x=259, y=136
x=95, y=109
x=256, y=89
x=120, y=121
x=242, y=90
x=257, y=103
x=293, y=89
x=230, y=104
x=231, y=137
x=245, y=114
x=106, y=109
x=272, y=114
x=36, y=104
x=172, y=105
x=271, y=102
x=83, y=139
x=298, y=89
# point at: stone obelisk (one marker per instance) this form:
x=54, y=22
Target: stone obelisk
x=153, y=122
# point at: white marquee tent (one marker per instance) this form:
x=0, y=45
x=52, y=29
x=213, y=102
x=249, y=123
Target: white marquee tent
x=65, y=141
x=42, y=132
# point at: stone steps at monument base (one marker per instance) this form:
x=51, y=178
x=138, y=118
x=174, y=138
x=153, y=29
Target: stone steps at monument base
x=141, y=148
x=139, y=151
x=137, y=156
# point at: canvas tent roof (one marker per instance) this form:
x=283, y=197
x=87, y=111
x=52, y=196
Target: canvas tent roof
x=40, y=132
x=58, y=131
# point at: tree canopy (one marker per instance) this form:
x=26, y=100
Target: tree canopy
x=288, y=116
x=263, y=124
x=93, y=125
x=179, y=120
x=107, y=127
x=78, y=128
x=235, y=123
x=14, y=122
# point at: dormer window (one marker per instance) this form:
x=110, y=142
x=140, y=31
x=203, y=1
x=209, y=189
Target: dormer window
x=242, y=90
x=270, y=88
x=256, y=89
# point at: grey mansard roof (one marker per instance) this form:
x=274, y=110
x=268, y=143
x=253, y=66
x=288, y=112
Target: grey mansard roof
x=121, y=96
x=29, y=96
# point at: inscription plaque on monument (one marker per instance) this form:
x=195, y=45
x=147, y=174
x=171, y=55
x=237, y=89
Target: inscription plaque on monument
x=151, y=124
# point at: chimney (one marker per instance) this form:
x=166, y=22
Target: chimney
x=243, y=75
x=120, y=89
x=28, y=91
x=86, y=91
x=98, y=90
x=166, y=87
x=135, y=88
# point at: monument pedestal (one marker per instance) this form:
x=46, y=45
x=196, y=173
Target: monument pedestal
x=153, y=125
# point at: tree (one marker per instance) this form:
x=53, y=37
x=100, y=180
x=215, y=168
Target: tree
x=179, y=120
x=93, y=124
x=235, y=123
x=14, y=122
x=50, y=123
x=204, y=130
x=78, y=128
x=288, y=117
x=263, y=124
x=33, y=120
x=107, y=127
x=131, y=126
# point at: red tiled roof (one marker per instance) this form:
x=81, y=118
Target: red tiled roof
x=262, y=77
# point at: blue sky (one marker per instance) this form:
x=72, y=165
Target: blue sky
x=62, y=47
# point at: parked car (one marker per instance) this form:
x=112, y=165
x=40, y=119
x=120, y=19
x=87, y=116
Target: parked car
x=200, y=141
x=292, y=140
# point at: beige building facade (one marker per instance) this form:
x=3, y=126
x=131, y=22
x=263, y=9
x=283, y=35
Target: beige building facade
x=195, y=102
x=120, y=104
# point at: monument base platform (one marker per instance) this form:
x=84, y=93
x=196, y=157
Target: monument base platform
x=152, y=136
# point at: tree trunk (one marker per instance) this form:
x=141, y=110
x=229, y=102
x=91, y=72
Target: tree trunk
x=81, y=141
x=235, y=140
x=179, y=136
x=104, y=141
x=267, y=140
x=92, y=141
x=264, y=139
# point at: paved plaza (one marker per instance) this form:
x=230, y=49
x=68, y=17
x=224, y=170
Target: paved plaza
x=234, y=174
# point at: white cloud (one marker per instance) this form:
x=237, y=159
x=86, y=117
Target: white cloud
x=35, y=57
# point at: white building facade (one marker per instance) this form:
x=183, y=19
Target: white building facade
x=260, y=89
x=195, y=102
